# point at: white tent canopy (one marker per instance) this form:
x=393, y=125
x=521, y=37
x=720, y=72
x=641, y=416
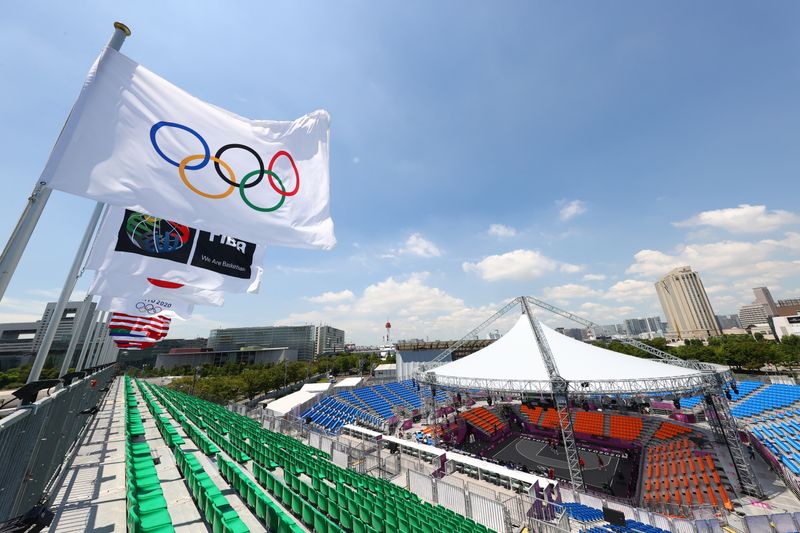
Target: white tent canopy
x=514, y=363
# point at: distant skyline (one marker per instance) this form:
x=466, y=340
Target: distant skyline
x=572, y=152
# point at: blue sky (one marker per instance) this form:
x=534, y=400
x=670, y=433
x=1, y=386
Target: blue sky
x=605, y=143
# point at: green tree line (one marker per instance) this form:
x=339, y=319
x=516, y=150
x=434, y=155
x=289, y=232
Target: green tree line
x=740, y=352
x=233, y=382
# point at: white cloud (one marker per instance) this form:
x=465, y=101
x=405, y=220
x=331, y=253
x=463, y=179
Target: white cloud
x=742, y=219
x=729, y=258
x=417, y=245
x=416, y=310
x=631, y=290
x=570, y=268
x=331, y=297
x=571, y=291
x=501, y=231
x=571, y=210
x=516, y=265
x=594, y=277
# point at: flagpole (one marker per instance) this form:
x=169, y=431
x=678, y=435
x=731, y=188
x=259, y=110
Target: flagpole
x=77, y=329
x=88, y=340
x=37, y=201
x=121, y=31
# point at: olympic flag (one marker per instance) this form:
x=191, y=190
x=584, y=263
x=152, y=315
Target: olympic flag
x=135, y=140
x=129, y=243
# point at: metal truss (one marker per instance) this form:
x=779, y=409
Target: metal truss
x=679, y=386
x=471, y=335
x=723, y=424
x=560, y=388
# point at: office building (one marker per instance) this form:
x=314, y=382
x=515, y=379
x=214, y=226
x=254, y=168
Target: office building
x=728, y=321
x=786, y=325
x=329, y=340
x=649, y=327
x=686, y=305
x=789, y=307
x=750, y=315
x=195, y=357
x=303, y=339
x=764, y=298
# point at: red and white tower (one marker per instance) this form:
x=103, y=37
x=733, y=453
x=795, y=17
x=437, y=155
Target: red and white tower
x=388, y=330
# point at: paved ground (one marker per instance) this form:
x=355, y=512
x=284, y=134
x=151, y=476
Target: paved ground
x=92, y=497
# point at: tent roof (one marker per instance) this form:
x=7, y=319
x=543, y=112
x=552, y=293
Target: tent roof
x=283, y=405
x=514, y=363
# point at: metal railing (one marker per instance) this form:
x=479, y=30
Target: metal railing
x=36, y=438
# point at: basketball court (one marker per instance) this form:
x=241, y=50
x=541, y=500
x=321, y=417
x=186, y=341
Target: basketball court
x=599, y=469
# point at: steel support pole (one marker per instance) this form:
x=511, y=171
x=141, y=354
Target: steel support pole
x=66, y=292
x=87, y=342
x=120, y=33
x=98, y=328
x=77, y=329
x=22, y=234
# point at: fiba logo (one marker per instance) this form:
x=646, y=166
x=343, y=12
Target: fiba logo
x=155, y=235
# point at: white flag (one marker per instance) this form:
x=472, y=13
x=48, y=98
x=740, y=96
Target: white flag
x=135, y=140
x=130, y=287
x=130, y=243
x=146, y=307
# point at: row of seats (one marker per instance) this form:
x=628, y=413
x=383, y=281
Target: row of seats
x=625, y=427
x=210, y=501
x=584, y=513
x=147, y=508
x=782, y=437
x=668, y=430
x=371, y=406
x=331, y=414
x=775, y=396
x=396, y=509
x=485, y=420
x=589, y=422
x=675, y=474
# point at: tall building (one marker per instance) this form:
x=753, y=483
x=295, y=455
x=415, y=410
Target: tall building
x=789, y=307
x=686, y=305
x=764, y=298
x=300, y=338
x=329, y=340
x=750, y=315
x=728, y=321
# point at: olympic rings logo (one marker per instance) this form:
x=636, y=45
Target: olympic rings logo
x=148, y=308
x=246, y=183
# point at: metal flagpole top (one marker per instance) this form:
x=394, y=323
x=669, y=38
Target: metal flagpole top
x=120, y=26
x=121, y=31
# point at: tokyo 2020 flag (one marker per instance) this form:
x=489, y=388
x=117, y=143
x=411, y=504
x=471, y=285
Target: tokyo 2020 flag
x=130, y=243
x=146, y=307
x=135, y=140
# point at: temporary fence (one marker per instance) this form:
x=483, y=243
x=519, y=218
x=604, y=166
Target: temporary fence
x=36, y=438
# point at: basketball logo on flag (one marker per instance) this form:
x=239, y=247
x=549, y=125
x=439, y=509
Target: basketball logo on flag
x=154, y=237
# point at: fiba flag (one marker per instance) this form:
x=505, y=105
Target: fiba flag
x=131, y=287
x=135, y=140
x=130, y=243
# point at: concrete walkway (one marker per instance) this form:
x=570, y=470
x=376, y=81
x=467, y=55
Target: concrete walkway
x=92, y=496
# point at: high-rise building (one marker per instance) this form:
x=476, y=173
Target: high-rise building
x=686, y=305
x=300, y=338
x=650, y=326
x=764, y=298
x=750, y=315
x=329, y=340
x=789, y=307
x=728, y=321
